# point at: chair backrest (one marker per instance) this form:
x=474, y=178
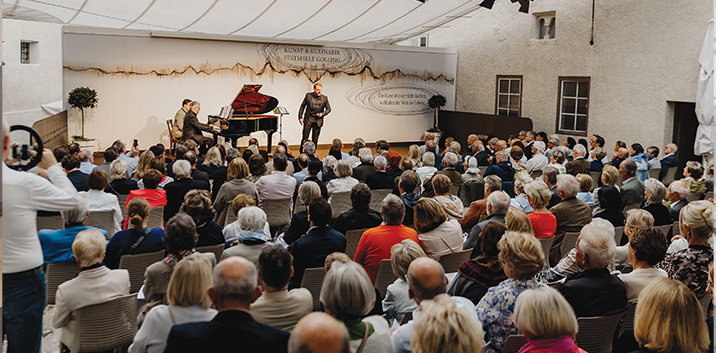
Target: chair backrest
x=568, y=243
x=452, y=262
x=384, y=277
x=675, y=229
x=596, y=333
x=631, y=206
x=546, y=246
x=693, y=197
x=513, y=344
x=596, y=176
x=49, y=222
x=654, y=173
x=136, y=264
x=107, y=325
x=313, y=281
x=230, y=216
x=475, y=191
x=627, y=323
x=156, y=217
x=669, y=177
x=122, y=199
x=102, y=220
x=56, y=274
x=455, y=190
x=217, y=250
x=618, y=232
x=352, y=240
x=278, y=212
x=666, y=229
x=298, y=207
x=705, y=301
x=377, y=196
x=340, y=202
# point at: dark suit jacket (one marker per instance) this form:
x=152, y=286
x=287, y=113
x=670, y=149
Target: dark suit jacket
x=362, y=171
x=176, y=191
x=594, y=292
x=502, y=169
x=352, y=219
x=528, y=150
x=193, y=128
x=79, y=180
x=632, y=192
x=312, y=105
x=676, y=209
x=596, y=166
x=555, y=199
x=219, y=179
x=666, y=162
x=311, y=250
x=209, y=234
x=616, y=162
x=660, y=213
x=199, y=175
x=229, y=331
x=438, y=161
x=578, y=166
x=482, y=158
x=121, y=187
x=298, y=227
x=380, y=181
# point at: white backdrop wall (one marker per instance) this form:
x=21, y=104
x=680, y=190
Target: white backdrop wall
x=135, y=103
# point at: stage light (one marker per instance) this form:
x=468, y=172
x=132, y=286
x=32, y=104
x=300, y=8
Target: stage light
x=524, y=6
x=487, y=4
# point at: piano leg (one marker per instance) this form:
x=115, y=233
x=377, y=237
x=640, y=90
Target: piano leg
x=268, y=140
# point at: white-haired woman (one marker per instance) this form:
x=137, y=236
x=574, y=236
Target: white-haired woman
x=188, y=302
x=251, y=236
x=428, y=168
x=654, y=193
x=348, y=295
x=344, y=181
x=397, y=302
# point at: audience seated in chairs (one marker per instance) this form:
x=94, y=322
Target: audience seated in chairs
x=236, y=183
x=348, y=295
x=520, y=200
x=407, y=183
x=57, y=243
x=277, y=185
x=549, y=176
x=234, y=288
x=451, y=204
x=426, y=281
x=693, y=171
x=498, y=203
x=636, y=220
x=380, y=179
x=479, y=207
x=522, y=258
x=647, y=247
x=212, y=163
x=320, y=240
x=94, y=284
x=198, y=205
x=319, y=332
x=71, y=165
x=677, y=193
x=110, y=154
x=668, y=318
x=251, y=237
x=375, y=243
x=609, y=176
x=594, y=291
x=438, y=234
x=150, y=190
x=397, y=301
x=143, y=165
x=690, y=265
x=135, y=240
x=442, y=320
x=654, y=194
x=177, y=189
x=307, y=192
x=477, y=275
x=610, y=205
x=544, y=223
x=100, y=200
x=187, y=301
x=546, y=333
x=360, y=216
x=503, y=168
x=231, y=231
x=277, y=306
x=571, y=213
x=179, y=239
x=344, y=181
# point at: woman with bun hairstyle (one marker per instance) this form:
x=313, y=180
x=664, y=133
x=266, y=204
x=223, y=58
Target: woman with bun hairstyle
x=138, y=238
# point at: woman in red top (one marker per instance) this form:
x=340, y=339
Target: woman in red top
x=155, y=197
x=544, y=223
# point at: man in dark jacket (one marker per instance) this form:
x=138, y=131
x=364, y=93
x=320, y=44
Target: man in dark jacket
x=503, y=168
x=179, y=187
x=360, y=216
x=193, y=128
x=406, y=186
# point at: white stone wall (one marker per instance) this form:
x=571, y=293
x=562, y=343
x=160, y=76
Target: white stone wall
x=26, y=87
x=644, y=58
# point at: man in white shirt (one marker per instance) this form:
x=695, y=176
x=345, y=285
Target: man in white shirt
x=23, y=279
x=538, y=160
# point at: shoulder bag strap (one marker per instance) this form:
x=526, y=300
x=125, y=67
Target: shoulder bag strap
x=141, y=238
x=365, y=338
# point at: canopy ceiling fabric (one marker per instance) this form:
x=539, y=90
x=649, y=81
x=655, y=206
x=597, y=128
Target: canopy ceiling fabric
x=362, y=21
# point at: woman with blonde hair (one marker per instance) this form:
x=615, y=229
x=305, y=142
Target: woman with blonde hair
x=348, y=295
x=546, y=333
x=414, y=155
x=344, y=181
x=438, y=235
x=691, y=265
x=444, y=327
x=121, y=184
x=522, y=258
x=212, y=163
x=544, y=223
x=358, y=143
x=397, y=302
x=188, y=302
x=452, y=204
x=135, y=240
x=237, y=183
x=668, y=318
x=518, y=221
x=142, y=165
x=610, y=176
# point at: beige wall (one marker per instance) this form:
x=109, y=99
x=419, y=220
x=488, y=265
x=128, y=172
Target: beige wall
x=644, y=56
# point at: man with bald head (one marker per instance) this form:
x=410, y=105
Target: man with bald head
x=670, y=159
x=426, y=279
x=621, y=155
x=319, y=333
x=234, y=288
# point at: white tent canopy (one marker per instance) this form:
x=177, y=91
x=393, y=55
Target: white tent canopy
x=366, y=21
x=705, y=96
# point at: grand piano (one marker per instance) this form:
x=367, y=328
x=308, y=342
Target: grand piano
x=246, y=114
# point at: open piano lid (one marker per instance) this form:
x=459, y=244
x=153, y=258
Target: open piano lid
x=249, y=101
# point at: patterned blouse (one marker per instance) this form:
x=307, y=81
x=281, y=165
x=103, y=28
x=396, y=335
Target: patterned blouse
x=690, y=266
x=495, y=310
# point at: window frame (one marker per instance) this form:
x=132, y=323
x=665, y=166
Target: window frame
x=579, y=79
x=497, y=94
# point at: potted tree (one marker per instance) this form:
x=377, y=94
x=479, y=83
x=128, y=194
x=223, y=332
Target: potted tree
x=81, y=98
x=436, y=102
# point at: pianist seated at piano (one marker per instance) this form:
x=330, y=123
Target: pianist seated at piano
x=193, y=128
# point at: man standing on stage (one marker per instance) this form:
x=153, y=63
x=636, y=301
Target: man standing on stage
x=317, y=107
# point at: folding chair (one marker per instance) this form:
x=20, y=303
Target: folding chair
x=105, y=326
x=352, y=240
x=278, y=213
x=568, y=243
x=49, y=222
x=217, y=250
x=340, y=202
x=313, y=281
x=384, y=277
x=627, y=323
x=618, y=232
x=546, y=246
x=596, y=333
x=56, y=274
x=377, y=196
x=122, y=199
x=102, y=220
x=513, y=344
x=452, y=262
x=595, y=179
x=669, y=177
x=654, y=173
x=136, y=265
x=156, y=217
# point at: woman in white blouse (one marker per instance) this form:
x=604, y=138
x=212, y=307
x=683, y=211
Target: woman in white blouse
x=438, y=235
x=102, y=201
x=188, y=302
x=345, y=182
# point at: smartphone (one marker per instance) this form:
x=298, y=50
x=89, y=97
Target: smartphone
x=136, y=143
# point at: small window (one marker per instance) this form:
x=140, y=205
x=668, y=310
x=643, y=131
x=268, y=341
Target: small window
x=573, y=113
x=545, y=25
x=509, y=96
x=24, y=52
